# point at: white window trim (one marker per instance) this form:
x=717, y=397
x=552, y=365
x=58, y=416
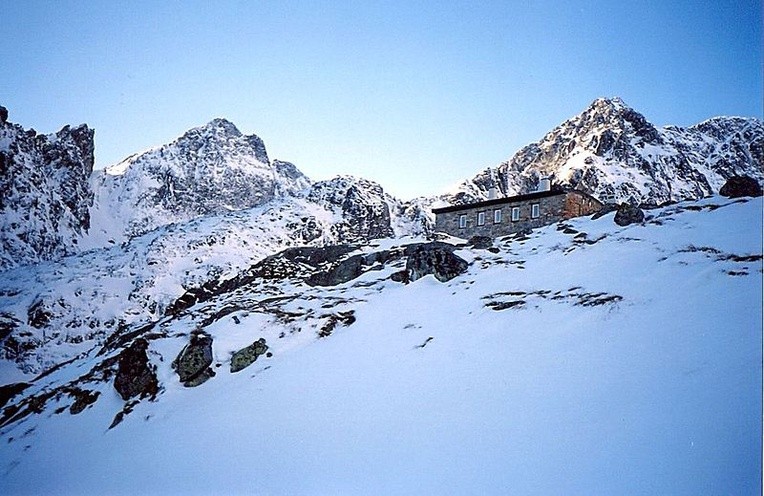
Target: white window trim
x=462, y=221
x=515, y=214
x=481, y=219
x=535, y=211
x=497, y=216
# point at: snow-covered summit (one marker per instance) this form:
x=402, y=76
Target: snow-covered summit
x=614, y=153
x=210, y=169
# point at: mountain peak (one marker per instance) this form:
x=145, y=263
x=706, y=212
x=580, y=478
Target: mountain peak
x=219, y=125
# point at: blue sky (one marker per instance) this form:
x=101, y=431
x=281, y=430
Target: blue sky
x=414, y=95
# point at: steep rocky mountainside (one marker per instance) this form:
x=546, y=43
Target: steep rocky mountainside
x=53, y=311
x=613, y=153
x=209, y=170
x=44, y=193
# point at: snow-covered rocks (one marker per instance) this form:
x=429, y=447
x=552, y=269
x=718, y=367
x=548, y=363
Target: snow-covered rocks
x=531, y=355
x=613, y=153
x=45, y=198
x=211, y=169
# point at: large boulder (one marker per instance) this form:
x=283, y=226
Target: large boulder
x=628, y=214
x=135, y=376
x=352, y=267
x=246, y=356
x=434, y=258
x=193, y=362
x=738, y=186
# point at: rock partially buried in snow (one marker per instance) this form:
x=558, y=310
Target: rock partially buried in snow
x=194, y=360
x=480, y=242
x=135, y=376
x=434, y=258
x=246, y=356
x=738, y=186
x=628, y=214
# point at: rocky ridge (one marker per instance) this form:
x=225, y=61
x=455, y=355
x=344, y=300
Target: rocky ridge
x=209, y=170
x=615, y=154
x=45, y=198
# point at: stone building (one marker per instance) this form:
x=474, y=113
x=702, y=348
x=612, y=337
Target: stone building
x=502, y=216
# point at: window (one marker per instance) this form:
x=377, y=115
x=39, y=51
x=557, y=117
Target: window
x=481, y=218
x=462, y=221
x=535, y=211
x=497, y=216
x=515, y=213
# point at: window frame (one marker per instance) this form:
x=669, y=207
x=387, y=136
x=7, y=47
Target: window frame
x=497, y=216
x=462, y=221
x=481, y=218
x=515, y=214
x=535, y=210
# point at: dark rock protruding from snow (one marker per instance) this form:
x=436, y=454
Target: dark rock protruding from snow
x=434, y=258
x=352, y=267
x=45, y=196
x=135, y=376
x=246, y=356
x=738, y=186
x=194, y=360
x=480, y=242
x=628, y=214
x=3, y=115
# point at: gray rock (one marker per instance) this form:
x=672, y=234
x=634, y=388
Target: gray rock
x=480, y=242
x=738, y=186
x=628, y=214
x=193, y=362
x=351, y=268
x=135, y=376
x=434, y=258
x=246, y=356
x=83, y=398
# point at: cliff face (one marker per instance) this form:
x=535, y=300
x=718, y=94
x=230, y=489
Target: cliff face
x=44, y=192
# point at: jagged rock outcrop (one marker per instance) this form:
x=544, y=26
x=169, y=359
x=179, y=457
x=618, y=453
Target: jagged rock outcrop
x=193, y=362
x=738, y=186
x=362, y=206
x=44, y=192
x=245, y=357
x=615, y=154
x=628, y=214
x=135, y=375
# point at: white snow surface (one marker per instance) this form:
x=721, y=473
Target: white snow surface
x=633, y=365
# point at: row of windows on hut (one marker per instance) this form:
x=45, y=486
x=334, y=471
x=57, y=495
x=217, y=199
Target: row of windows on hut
x=481, y=216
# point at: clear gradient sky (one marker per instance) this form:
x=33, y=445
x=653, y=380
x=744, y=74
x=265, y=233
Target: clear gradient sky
x=415, y=95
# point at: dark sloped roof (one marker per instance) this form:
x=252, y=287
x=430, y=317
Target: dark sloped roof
x=498, y=201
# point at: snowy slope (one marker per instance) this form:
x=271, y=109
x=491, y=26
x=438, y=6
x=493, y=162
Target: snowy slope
x=55, y=310
x=613, y=153
x=585, y=358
